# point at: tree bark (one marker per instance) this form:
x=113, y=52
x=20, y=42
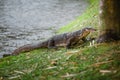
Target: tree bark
x=109, y=20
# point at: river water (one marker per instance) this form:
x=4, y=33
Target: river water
x=31, y=21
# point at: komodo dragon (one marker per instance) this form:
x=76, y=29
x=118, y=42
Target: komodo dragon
x=67, y=40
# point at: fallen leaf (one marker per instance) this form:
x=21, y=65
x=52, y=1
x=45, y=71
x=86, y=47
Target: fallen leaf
x=69, y=75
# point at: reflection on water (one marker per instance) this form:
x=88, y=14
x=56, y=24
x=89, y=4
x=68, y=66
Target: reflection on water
x=29, y=21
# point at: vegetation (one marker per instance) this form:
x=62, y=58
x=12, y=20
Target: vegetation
x=88, y=18
x=97, y=62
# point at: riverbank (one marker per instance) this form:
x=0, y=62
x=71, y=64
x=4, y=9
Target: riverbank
x=89, y=18
x=98, y=62
x=30, y=21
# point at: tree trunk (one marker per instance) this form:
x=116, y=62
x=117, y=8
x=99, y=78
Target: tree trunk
x=109, y=20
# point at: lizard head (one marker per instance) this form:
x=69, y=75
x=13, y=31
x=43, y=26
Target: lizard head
x=86, y=31
x=89, y=29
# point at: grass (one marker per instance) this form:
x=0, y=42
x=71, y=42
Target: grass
x=89, y=18
x=98, y=62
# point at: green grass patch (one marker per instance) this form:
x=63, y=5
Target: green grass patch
x=99, y=62
x=88, y=19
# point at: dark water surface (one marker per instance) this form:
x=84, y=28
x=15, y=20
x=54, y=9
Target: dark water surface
x=30, y=21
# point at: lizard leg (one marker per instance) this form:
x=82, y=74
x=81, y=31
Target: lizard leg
x=51, y=44
x=84, y=39
x=69, y=43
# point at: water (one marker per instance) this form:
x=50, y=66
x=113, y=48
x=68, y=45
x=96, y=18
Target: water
x=30, y=21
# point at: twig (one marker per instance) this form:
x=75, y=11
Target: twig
x=100, y=63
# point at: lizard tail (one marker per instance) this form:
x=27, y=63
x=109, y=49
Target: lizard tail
x=21, y=49
x=29, y=47
x=24, y=48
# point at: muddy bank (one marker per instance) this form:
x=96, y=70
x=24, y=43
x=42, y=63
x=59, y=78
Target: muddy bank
x=30, y=21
